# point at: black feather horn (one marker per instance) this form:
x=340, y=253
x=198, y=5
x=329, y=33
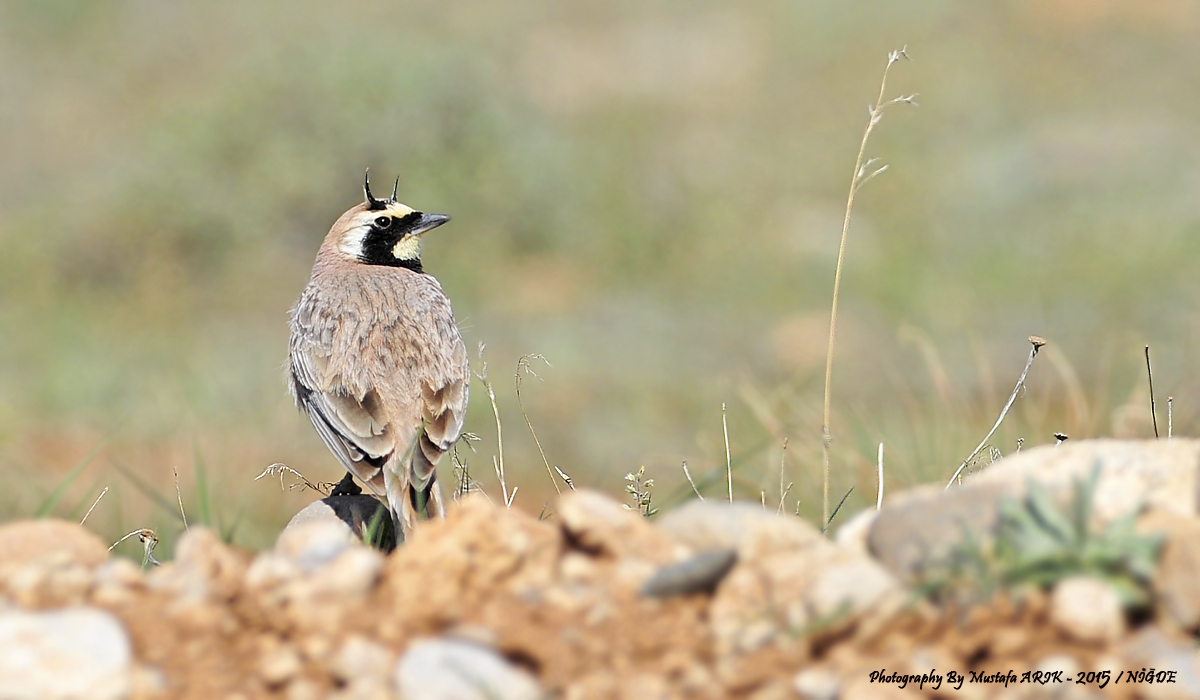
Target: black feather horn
x=395, y=189
x=372, y=203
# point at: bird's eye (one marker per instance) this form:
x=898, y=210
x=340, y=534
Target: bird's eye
x=383, y=222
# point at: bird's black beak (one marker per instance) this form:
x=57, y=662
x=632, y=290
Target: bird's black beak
x=429, y=222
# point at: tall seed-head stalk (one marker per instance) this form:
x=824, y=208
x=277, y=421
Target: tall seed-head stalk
x=863, y=174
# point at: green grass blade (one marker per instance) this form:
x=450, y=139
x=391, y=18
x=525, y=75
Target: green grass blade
x=164, y=504
x=59, y=491
x=835, y=510
x=203, y=501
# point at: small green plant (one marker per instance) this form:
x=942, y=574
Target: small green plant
x=1038, y=544
x=377, y=534
x=638, y=486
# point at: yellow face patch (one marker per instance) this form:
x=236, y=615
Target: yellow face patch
x=407, y=248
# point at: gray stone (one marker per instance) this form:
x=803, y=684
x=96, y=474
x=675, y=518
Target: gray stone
x=746, y=527
x=311, y=544
x=697, y=574
x=919, y=528
x=1152, y=648
x=853, y=533
x=438, y=669
x=361, y=658
x=1087, y=609
x=597, y=523
x=208, y=565
x=357, y=513
x=1177, y=578
x=26, y=541
x=75, y=652
x=850, y=585
x=781, y=597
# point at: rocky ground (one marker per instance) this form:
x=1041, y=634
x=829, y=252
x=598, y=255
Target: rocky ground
x=712, y=600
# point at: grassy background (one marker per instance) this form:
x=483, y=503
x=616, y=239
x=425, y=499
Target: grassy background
x=648, y=193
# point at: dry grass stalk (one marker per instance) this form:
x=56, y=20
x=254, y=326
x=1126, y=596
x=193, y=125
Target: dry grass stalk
x=728, y=459
x=277, y=469
x=523, y=367
x=1036, y=344
x=497, y=461
x=863, y=174
x=782, y=497
x=693, y=483
x=94, y=504
x=179, y=498
x=1170, y=400
x=464, y=482
x=879, y=498
x=782, y=466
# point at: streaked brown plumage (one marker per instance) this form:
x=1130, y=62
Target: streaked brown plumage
x=376, y=359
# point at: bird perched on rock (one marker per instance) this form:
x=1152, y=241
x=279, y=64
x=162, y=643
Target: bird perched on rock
x=376, y=359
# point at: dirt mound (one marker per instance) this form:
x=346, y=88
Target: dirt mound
x=714, y=600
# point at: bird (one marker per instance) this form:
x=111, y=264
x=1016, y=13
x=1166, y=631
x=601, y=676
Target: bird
x=376, y=359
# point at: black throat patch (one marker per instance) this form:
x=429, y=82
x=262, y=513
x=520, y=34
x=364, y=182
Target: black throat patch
x=377, y=245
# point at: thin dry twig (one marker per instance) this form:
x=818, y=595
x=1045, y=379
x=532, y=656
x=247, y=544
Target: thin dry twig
x=1036, y=344
x=863, y=174
x=280, y=469
x=523, y=365
x=1150, y=378
x=464, y=483
x=94, y=504
x=728, y=459
x=782, y=463
x=179, y=498
x=689, y=478
x=508, y=495
x=497, y=461
x=786, y=490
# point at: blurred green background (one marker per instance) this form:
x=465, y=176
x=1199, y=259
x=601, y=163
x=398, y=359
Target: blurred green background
x=649, y=194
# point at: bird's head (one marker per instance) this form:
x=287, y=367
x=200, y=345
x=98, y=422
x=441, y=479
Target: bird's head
x=383, y=231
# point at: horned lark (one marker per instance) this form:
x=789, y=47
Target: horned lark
x=375, y=357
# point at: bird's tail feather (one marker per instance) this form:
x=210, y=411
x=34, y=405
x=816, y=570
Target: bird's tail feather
x=411, y=484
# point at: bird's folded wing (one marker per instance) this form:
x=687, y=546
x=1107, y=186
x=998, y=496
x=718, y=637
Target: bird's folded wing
x=444, y=392
x=447, y=408
x=356, y=432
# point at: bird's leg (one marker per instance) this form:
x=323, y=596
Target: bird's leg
x=346, y=487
